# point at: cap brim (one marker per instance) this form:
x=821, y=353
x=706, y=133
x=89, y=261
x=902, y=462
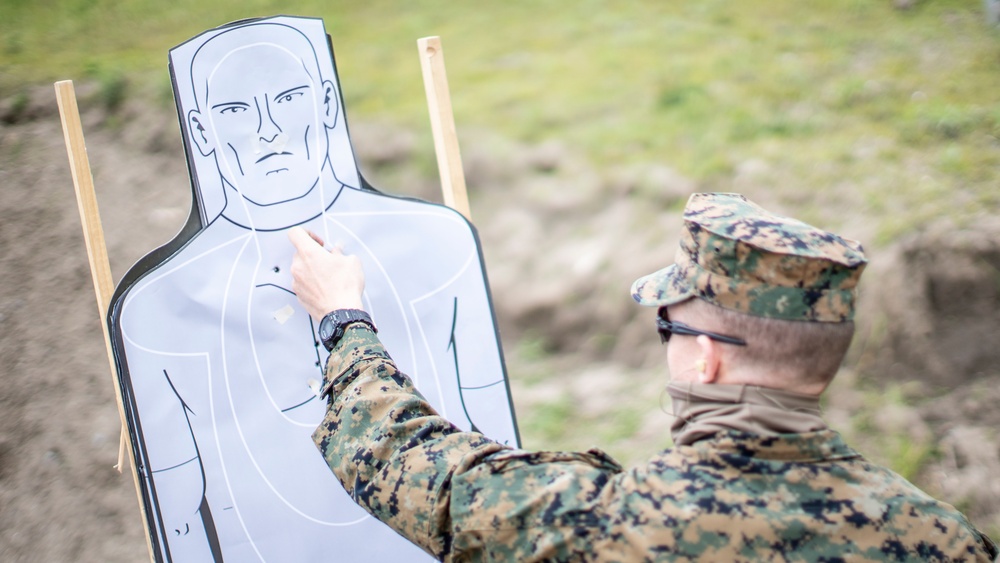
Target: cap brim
x=665, y=287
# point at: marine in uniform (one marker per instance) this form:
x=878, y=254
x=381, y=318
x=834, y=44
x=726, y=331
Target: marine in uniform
x=755, y=473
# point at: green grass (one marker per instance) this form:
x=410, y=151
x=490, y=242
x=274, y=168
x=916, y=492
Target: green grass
x=702, y=86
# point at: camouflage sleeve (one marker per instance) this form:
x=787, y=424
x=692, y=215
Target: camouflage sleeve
x=386, y=444
x=453, y=493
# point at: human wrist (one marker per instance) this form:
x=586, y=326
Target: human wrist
x=333, y=325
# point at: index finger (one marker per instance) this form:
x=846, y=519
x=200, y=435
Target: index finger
x=304, y=240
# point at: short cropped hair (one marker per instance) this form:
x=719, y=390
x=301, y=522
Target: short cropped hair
x=811, y=351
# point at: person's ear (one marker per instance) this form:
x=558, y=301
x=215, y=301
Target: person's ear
x=199, y=133
x=331, y=104
x=708, y=363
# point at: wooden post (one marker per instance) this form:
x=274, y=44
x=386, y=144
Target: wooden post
x=93, y=235
x=449, y=158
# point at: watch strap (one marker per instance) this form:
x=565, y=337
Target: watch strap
x=334, y=324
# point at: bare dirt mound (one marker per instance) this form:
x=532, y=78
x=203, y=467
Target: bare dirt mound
x=939, y=293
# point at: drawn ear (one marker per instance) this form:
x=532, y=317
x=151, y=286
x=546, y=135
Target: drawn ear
x=198, y=133
x=331, y=104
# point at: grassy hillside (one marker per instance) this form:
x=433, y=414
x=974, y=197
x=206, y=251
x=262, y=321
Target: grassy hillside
x=898, y=106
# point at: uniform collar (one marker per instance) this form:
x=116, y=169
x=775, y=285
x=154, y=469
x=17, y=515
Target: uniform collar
x=703, y=410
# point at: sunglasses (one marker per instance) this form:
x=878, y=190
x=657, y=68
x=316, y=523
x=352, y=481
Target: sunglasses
x=666, y=327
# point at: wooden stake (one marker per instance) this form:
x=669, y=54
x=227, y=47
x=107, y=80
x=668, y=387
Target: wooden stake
x=93, y=235
x=443, y=125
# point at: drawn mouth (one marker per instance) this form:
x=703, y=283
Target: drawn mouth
x=269, y=155
x=269, y=172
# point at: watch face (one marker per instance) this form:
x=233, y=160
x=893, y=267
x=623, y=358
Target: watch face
x=326, y=327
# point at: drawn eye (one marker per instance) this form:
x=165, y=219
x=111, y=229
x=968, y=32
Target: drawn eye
x=232, y=109
x=288, y=97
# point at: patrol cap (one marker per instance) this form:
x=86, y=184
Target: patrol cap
x=737, y=255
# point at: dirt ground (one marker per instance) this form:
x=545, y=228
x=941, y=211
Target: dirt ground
x=924, y=368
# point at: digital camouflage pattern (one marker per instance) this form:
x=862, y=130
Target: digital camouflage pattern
x=734, y=497
x=741, y=257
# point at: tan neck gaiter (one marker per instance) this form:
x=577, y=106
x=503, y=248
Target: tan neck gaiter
x=701, y=410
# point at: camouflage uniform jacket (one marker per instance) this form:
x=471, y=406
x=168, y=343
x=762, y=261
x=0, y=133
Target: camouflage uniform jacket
x=733, y=497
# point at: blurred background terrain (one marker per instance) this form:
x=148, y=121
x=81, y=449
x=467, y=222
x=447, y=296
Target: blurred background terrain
x=584, y=127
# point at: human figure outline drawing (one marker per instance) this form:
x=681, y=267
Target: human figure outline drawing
x=220, y=366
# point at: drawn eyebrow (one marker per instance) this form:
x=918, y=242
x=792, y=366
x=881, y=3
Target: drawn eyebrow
x=290, y=91
x=228, y=104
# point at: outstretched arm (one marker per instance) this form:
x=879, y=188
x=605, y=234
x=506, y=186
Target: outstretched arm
x=452, y=493
x=367, y=461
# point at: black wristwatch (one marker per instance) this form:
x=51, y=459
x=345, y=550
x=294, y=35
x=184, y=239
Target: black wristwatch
x=331, y=328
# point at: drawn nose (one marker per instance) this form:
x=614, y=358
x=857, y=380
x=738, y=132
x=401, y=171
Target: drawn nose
x=268, y=129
